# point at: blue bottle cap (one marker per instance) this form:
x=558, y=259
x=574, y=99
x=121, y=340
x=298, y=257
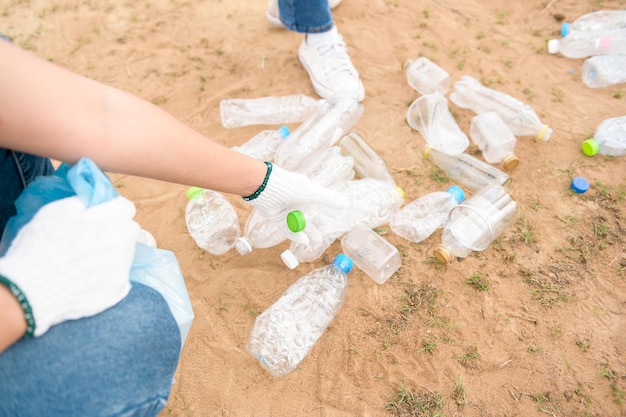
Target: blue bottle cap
x=457, y=193
x=283, y=131
x=565, y=28
x=579, y=185
x=343, y=263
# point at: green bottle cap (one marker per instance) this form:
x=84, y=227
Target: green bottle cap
x=590, y=147
x=194, y=191
x=296, y=221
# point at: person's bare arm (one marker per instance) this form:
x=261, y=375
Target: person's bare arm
x=12, y=321
x=49, y=111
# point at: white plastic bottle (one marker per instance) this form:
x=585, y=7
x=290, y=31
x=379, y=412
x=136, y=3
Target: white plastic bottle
x=476, y=223
x=371, y=253
x=521, y=119
x=604, y=70
x=284, y=333
x=469, y=172
x=419, y=219
x=332, y=120
x=263, y=145
x=259, y=232
x=430, y=116
x=367, y=163
x=598, y=20
x=331, y=167
x=494, y=139
x=211, y=220
x=583, y=44
x=426, y=77
x=608, y=139
x=272, y=110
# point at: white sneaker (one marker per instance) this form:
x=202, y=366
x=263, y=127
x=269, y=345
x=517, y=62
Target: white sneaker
x=273, y=14
x=330, y=68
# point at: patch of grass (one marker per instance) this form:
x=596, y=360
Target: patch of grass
x=458, y=393
x=469, y=358
x=477, y=281
x=428, y=347
x=545, y=403
x=408, y=403
x=439, y=176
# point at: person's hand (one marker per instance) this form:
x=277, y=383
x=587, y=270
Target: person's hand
x=71, y=261
x=286, y=191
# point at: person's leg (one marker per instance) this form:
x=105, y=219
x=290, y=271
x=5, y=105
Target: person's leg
x=120, y=362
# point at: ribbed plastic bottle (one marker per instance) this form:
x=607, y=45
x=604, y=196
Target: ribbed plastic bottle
x=371, y=253
x=521, y=119
x=263, y=145
x=469, y=172
x=331, y=167
x=583, y=44
x=476, y=223
x=211, y=220
x=272, y=110
x=284, y=334
x=426, y=77
x=604, y=70
x=332, y=120
x=367, y=163
x=419, y=219
x=608, y=139
x=598, y=20
x=494, y=139
x=430, y=116
x=259, y=232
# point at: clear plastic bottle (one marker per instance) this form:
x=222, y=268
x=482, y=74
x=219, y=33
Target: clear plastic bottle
x=521, y=119
x=583, y=44
x=494, y=139
x=331, y=167
x=259, y=232
x=430, y=116
x=332, y=120
x=272, y=110
x=426, y=77
x=419, y=219
x=469, y=172
x=211, y=220
x=367, y=163
x=371, y=253
x=598, y=20
x=476, y=223
x=608, y=139
x=604, y=70
x=284, y=334
x=263, y=145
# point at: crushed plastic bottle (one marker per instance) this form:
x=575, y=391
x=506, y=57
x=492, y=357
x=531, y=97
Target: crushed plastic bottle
x=272, y=110
x=598, y=20
x=367, y=163
x=259, y=232
x=430, y=116
x=604, y=70
x=419, y=219
x=521, y=119
x=426, y=77
x=211, y=220
x=469, y=172
x=284, y=333
x=331, y=167
x=476, y=223
x=263, y=145
x=371, y=253
x=494, y=139
x=332, y=120
x=608, y=139
x=583, y=44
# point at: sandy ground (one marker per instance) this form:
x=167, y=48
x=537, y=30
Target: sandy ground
x=546, y=335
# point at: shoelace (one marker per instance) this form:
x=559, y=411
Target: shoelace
x=335, y=59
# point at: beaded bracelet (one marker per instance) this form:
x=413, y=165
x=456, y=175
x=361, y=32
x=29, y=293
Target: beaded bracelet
x=262, y=187
x=21, y=298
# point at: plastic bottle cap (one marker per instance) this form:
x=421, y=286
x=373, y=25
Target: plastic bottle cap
x=146, y=238
x=243, y=246
x=554, y=45
x=401, y=191
x=565, y=28
x=343, y=263
x=283, y=131
x=194, y=191
x=591, y=147
x=579, y=185
x=442, y=255
x=510, y=162
x=457, y=193
x=296, y=221
x=289, y=259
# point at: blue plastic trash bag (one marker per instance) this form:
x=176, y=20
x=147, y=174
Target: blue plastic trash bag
x=156, y=268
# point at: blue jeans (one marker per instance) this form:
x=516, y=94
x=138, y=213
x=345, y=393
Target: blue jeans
x=120, y=362
x=306, y=16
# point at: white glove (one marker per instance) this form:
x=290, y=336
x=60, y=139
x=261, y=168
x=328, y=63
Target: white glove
x=71, y=261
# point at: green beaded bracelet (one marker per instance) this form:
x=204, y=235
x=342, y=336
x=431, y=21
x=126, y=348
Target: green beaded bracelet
x=21, y=298
x=262, y=187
